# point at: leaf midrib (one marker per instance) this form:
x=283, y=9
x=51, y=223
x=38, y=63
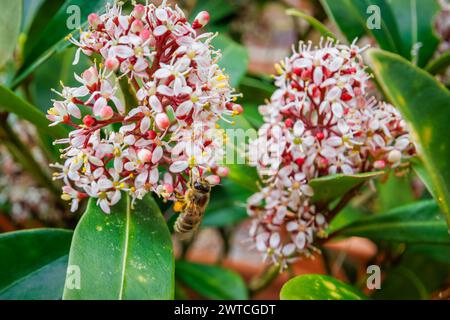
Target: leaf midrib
x=125, y=251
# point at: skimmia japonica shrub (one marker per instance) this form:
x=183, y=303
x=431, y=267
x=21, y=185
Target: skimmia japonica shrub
x=180, y=93
x=320, y=121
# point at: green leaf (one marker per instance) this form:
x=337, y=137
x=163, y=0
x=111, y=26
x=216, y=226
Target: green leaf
x=211, y=281
x=415, y=277
x=387, y=35
x=227, y=205
x=217, y=9
x=420, y=222
x=345, y=16
x=394, y=192
x=415, y=21
x=439, y=64
x=330, y=188
x=344, y=218
x=10, y=102
x=316, y=24
x=58, y=27
x=51, y=39
x=124, y=255
x=318, y=287
x=33, y=264
x=10, y=19
x=423, y=102
x=234, y=58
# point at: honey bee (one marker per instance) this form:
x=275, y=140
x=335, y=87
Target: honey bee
x=192, y=207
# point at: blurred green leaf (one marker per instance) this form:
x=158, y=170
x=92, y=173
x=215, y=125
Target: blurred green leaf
x=123, y=255
x=10, y=102
x=424, y=104
x=394, y=192
x=227, y=205
x=439, y=64
x=217, y=9
x=415, y=277
x=33, y=264
x=387, y=35
x=415, y=22
x=38, y=14
x=50, y=40
x=346, y=217
x=318, y=287
x=58, y=27
x=234, y=58
x=10, y=20
x=332, y=187
x=48, y=76
x=211, y=281
x=420, y=222
x=316, y=24
x=345, y=16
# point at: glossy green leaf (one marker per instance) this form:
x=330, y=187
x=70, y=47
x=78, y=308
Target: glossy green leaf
x=387, y=35
x=124, y=255
x=329, y=188
x=318, y=287
x=420, y=222
x=423, y=102
x=211, y=281
x=415, y=22
x=33, y=264
x=345, y=16
x=10, y=19
x=234, y=58
x=10, y=102
x=316, y=24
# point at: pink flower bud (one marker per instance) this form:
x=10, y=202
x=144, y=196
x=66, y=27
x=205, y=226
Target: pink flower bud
x=145, y=34
x=168, y=187
x=94, y=20
x=379, y=164
x=139, y=11
x=112, y=64
x=137, y=26
x=213, y=180
x=222, y=171
x=201, y=20
x=106, y=113
x=144, y=155
x=237, y=109
x=162, y=121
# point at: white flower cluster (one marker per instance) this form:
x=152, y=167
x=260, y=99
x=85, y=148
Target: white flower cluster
x=318, y=122
x=180, y=91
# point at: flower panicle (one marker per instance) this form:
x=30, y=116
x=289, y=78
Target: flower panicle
x=153, y=146
x=320, y=121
